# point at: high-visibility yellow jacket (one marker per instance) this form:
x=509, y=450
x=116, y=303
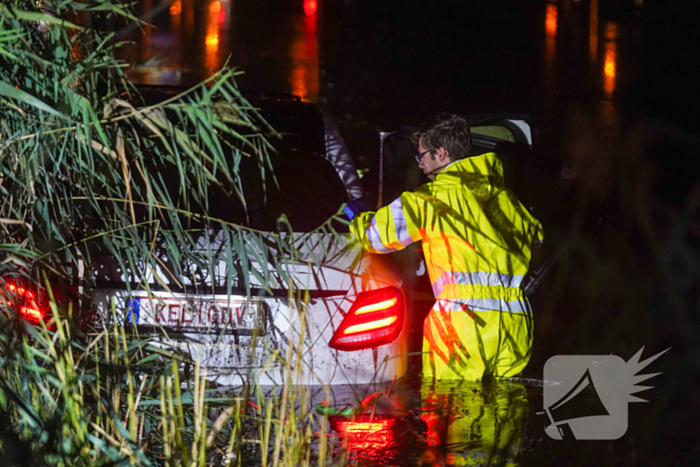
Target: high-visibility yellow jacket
x=476, y=235
x=476, y=238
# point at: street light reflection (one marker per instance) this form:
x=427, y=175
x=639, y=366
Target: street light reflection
x=550, y=44
x=608, y=108
x=610, y=66
x=176, y=8
x=550, y=22
x=550, y=28
x=211, y=41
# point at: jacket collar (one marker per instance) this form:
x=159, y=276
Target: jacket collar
x=482, y=174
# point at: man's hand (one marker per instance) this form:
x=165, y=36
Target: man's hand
x=355, y=207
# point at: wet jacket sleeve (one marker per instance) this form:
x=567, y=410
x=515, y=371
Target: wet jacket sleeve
x=392, y=228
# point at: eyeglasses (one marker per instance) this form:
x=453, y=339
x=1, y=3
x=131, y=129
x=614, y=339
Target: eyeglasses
x=419, y=156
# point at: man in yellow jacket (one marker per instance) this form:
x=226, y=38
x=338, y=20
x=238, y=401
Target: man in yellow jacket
x=477, y=239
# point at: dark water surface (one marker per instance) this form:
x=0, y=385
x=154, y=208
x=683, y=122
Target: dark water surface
x=386, y=63
x=614, y=95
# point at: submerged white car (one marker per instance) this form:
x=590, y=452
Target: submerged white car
x=342, y=322
x=346, y=319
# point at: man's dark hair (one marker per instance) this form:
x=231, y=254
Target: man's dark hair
x=445, y=130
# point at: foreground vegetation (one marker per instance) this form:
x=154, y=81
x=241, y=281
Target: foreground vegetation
x=71, y=398
x=81, y=164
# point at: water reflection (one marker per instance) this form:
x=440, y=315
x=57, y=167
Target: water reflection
x=549, y=55
x=192, y=39
x=550, y=24
x=304, y=54
x=610, y=66
x=147, y=51
x=469, y=423
x=188, y=16
x=593, y=31
x=176, y=22
x=176, y=9
x=608, y=110
x=550, y=28
x=368, y=439
x=216, y=16
x=443, y=423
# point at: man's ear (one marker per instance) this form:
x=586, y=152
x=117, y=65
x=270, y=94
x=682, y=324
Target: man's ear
x=443, y=153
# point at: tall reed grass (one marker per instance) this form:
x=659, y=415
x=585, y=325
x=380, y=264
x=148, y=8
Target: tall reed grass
x=80, y=155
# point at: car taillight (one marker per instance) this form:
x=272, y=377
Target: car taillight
x=25, y=301
x=375, y=319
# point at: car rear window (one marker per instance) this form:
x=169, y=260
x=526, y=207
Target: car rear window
x=304, y=186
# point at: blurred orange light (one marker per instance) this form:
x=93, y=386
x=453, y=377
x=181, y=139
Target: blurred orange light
x=550, y=22
x=610, y=64
x=593, y=31
x=215, y=7
x=212, y=40
x=310, y=7
x=176, y=8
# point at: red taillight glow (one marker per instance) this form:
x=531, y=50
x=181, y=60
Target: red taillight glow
x=26, y=299
x=22, y=292
x=380, y=323
x=32, y=315
x=376, y=307
x=375, y=319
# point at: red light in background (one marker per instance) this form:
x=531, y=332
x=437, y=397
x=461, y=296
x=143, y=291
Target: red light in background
x=22, y=292
x=176, y=8
x=216, y=8
x=310, y=7
x=31, y=314
x=28, y=309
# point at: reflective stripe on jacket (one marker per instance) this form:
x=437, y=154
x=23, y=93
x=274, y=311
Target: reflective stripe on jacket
x=476, y=235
